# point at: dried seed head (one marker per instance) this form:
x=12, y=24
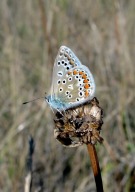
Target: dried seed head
x=79, y=125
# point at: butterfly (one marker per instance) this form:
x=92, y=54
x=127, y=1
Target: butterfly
x=72, y=83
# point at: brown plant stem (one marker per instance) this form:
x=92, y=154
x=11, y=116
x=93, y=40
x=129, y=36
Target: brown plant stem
x=95, y=166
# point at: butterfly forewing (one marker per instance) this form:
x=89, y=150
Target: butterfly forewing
x=64, y=61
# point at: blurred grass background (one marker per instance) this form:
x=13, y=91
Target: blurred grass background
x=102, y=34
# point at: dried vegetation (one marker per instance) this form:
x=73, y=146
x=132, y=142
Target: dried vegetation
x=102, y=34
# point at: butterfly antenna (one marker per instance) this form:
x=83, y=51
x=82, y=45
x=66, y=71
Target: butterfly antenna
x=33, y=100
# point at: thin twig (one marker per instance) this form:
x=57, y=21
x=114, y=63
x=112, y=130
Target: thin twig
x=95, y=167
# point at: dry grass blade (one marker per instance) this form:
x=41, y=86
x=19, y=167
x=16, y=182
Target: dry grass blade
x=107, y=47
x=95, y=167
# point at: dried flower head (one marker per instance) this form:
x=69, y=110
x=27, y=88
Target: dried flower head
x=79, y=125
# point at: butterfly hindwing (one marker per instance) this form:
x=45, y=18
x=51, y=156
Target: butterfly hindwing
x=77, y=86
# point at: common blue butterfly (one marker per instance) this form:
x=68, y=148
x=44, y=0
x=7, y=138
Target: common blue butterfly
x=72, y=83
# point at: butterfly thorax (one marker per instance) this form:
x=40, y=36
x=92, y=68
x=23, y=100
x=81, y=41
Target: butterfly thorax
x=56, y=103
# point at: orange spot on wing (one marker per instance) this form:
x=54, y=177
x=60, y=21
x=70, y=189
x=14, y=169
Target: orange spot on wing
x=85, y=81
x=69, y=73
x=71, y=62
x=66, y=55
x=86, y=86
x=75, y=72
x=84, y=76
x=69, y=59
x=80, y=73
x=86, y=93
